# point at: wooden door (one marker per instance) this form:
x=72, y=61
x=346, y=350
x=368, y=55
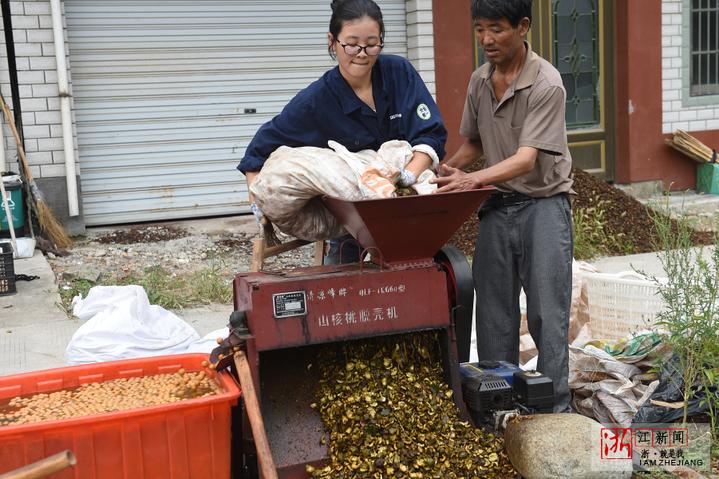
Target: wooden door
x=576, y=36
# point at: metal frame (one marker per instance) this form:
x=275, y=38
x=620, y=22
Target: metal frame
x=698, y=86
x=689, y=101
x=604, y=134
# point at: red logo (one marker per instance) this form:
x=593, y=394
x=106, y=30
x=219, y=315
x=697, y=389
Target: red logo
x=616, y=443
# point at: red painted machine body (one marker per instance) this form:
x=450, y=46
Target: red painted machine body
x=293, y=315
x=342, y=303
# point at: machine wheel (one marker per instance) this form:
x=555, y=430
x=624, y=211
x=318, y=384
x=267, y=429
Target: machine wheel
x=460, y=288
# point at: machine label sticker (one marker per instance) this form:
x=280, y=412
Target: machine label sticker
x=285, y=305
x=356, y=317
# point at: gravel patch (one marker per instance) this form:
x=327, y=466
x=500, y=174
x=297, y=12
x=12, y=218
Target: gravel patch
x=172, y=246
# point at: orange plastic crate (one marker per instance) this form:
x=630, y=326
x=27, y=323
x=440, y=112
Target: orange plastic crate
x=186, y=439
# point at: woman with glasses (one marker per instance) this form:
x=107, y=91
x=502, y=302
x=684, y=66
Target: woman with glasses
x=366, y=100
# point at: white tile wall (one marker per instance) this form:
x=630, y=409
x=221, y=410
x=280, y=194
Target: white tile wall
x=420, y=40
x=37, y=77
x=675, y=114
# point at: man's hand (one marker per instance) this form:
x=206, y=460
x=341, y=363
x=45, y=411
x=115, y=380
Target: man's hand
x=453, y=179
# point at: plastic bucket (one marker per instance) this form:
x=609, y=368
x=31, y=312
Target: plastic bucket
x=14, y=199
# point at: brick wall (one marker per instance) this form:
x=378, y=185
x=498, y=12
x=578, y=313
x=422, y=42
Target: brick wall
x=677, y=110
x=39, y=101
x=420, y=40
x=40, y=105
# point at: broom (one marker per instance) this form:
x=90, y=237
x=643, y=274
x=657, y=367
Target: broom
x=48, y=223
x=690, y=146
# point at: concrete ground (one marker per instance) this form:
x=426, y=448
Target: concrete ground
x=34, y=331
x=701, y=210
x=647, y=263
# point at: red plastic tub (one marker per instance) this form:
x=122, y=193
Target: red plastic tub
x=186, y=439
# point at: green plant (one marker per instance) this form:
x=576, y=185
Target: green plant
x=163, y=288
x=690, y=320
x=72, y=288
x=591, y=238
x=210, y=287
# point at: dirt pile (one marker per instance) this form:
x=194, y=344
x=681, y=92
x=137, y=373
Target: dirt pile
x=142, y=234
x=625, y=218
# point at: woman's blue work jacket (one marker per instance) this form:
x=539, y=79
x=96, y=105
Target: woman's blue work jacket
x=328, y=109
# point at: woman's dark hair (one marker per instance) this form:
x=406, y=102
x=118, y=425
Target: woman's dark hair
x=513, y=10
x=348, y=10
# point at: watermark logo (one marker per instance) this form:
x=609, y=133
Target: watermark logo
x=655, y=447
x=616, y=443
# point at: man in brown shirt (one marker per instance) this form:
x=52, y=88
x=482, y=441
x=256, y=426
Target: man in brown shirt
x=514, y=117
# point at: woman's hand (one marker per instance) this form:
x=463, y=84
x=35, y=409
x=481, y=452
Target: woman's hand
x=406, y=178
x=420, y=161
x=453, y=179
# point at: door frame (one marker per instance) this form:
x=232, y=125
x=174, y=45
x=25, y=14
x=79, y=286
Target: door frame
x=540, y=36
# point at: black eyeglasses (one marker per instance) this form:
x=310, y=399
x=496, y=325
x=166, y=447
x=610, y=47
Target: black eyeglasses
x=371, y=50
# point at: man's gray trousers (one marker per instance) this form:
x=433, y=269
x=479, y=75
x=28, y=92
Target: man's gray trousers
x=525, y=243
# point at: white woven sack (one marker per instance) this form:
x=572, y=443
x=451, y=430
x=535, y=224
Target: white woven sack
x=387, y=162
x=288, y=187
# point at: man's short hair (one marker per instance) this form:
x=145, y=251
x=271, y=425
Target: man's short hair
x=513, y=10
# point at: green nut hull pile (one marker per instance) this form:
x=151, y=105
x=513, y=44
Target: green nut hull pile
x=388, y=414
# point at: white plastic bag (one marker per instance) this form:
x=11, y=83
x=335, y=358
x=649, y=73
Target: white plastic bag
x=291, y=178
x=209, y=341
x=121, y=324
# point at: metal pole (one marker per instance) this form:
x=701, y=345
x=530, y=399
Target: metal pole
x=15, y=94
x=12, y=67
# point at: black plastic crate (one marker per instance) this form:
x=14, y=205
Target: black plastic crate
x=7, y=270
